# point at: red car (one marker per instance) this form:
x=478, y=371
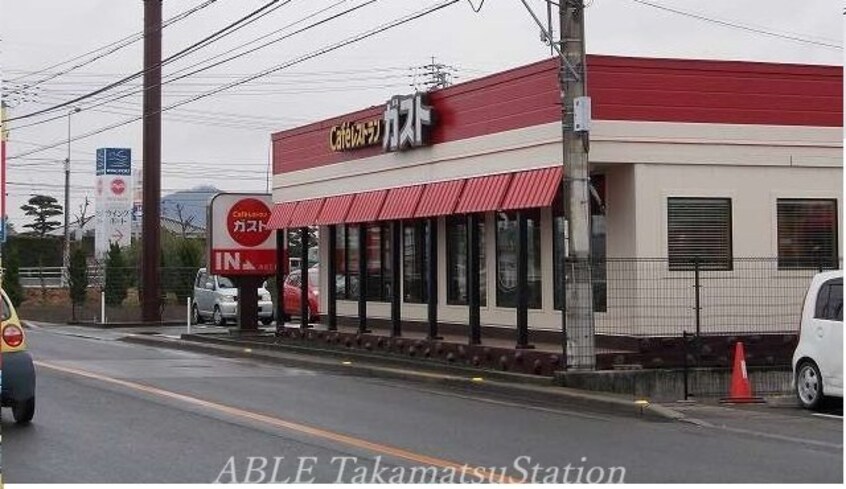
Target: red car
x=292, y=297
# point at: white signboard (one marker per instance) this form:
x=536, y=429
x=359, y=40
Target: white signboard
x=240, y=243
x=113, y=203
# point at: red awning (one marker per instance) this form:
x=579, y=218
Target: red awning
x=439, y=199
x=335, y=210
x=483, y=194
x=533, y=188
x=401, y=203
x=366, y=207
x=281, y=215
x=306, y=213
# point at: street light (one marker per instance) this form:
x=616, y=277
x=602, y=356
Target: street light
x=66, y=251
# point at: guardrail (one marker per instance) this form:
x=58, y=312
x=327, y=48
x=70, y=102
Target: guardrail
x=31, y=277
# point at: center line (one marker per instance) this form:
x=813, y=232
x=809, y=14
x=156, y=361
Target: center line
x=288, y=425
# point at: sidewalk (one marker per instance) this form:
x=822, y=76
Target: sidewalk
x=538, y=390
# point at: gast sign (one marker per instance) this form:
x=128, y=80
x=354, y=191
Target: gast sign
x=240, y=243
x=406, y=123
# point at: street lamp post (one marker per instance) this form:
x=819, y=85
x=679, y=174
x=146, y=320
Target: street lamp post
x=66, y=250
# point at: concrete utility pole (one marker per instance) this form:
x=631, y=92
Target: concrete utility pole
x=152, y=135
x=66, y=247
x=577, y=317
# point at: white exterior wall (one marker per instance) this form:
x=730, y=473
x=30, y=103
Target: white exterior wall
x=644, y=163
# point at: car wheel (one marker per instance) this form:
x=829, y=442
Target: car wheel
x=195, y=315
x=809, y=385
x=218, y=317
x=266, y=321
x=24, y=411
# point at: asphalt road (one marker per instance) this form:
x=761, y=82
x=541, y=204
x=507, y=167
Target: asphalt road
x=109, y=411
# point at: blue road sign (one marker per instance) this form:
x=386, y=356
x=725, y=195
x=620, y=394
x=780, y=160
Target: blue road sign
x=114, y=161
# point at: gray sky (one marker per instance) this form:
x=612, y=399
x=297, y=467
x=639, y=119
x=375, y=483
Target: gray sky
x=223, y=140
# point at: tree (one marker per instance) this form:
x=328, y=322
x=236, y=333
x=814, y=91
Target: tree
x=77, y=279
x=42, y=209
x=117, y=276
x=11, y=276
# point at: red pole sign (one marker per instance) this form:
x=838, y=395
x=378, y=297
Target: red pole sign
x=241, y=243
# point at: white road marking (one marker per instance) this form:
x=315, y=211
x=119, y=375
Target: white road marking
x=826, y=415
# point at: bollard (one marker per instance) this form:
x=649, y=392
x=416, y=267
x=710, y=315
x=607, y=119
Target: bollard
x=103, y=307
x=188, y=315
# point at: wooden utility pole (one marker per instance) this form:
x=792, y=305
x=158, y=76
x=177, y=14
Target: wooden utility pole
x=152, y=134
x=577, y=315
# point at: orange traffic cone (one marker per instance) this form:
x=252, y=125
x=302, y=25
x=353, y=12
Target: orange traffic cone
x=741, y=388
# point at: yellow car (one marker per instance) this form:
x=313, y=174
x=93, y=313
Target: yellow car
x=18, y=371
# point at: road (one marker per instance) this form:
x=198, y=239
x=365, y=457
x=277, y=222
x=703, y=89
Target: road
x=109, y=411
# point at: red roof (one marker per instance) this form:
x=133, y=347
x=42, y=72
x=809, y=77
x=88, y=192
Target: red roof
x=483, y=194
x=401, y=203
x=335, y=210
x=306, y=213
x=533, y=188
x=281, y=215
x=366, y=207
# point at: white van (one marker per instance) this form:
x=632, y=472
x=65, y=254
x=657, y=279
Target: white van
x=818, y=359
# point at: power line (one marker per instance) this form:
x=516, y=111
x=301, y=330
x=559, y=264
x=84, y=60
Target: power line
x=314, y=54
x=736, y=25
x=110, y=49
x=217, y=35
x=239, y=55
x=101, y=102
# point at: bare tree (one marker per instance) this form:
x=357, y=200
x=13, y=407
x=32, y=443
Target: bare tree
x=184, y=223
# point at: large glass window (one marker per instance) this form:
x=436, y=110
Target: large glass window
x=340, y=257
x=378, y=262
x=346, y=262
x=506, y=259
x=457, y=249
x=807, y=233
x=597, y=246
x=415, y=236
x=699, y=229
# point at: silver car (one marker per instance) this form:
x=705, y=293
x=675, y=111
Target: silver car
x=216, y=298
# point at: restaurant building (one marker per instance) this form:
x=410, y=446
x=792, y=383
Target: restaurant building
x=690, y=159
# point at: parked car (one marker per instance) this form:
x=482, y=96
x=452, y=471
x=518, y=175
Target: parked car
x=216, y=298
x=18, y=375
x=292, y=294
x=818, y=359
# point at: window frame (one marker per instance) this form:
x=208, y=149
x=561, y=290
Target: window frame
x=808, y=261
x=706, y=263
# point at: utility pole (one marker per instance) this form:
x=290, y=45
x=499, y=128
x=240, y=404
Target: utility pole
x=66, y=247
x=577, y=315
x=152, y=135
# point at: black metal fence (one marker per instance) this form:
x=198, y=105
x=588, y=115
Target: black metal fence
x=651, y=314
x=645, y=298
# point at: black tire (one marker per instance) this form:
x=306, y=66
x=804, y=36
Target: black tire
x=266, y=321
x=196, y=318
x=24, y=411
x=809, y=385
x=218, y=317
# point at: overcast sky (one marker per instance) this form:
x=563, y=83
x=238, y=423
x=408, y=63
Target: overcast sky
x=223, y=140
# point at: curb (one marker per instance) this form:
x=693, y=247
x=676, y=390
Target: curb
x=560, y=396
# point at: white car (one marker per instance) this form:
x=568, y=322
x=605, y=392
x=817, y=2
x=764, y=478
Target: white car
x=818, y=359
x=216, y=298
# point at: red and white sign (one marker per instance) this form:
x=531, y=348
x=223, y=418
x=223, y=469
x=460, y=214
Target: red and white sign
x=118, y=186
x=240, y=243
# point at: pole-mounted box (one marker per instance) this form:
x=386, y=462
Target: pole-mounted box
x=581, y=114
